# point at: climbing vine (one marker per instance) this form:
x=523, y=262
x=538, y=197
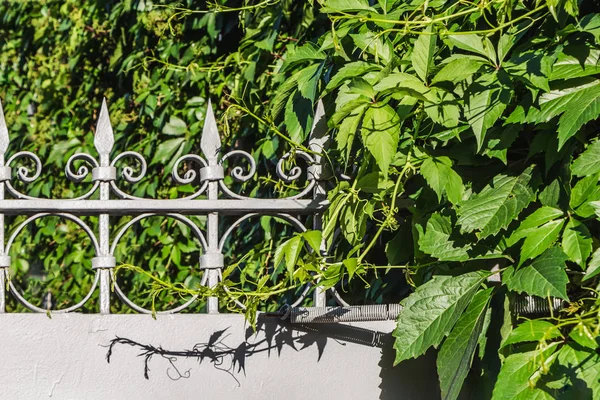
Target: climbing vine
x=463, y=162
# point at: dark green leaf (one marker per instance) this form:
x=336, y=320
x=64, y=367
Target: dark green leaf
x=431, y=311
x=456, y=354
x=544, y=277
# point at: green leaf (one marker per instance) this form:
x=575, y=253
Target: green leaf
x=175, y=127
x=375, y=44
x=423, y=52
x=436, y=240
x=402, y=85
x=346, y=5
x=380, y=132
x=587, y=163
x=431, y=311
x=441, y=177
x=456, y=354
x=500, y=140
x=532, y=331
x=459, y=69
x=544, y=277
x=351, y=265
x=531, y=67
x=299, y=107
x=306, y=52
x=586, y=367
x=497, y=204
x=362, y=87
x=593, y=267
x=347, y=132
x=292, y=250
x=284, y=92
x=349, y=71
x=441, y=106
x=577, y=242
x=484, y=104
x=166, y=150
x=374, y=182
x=583, y=336
x=474, y=44
x=518, y=370
x=579, y=111
x=313, y=238
x=590, y=23
x=585, y=191
x=540, y=239
x=559, y=99
x=531, y=223
x=580, y=61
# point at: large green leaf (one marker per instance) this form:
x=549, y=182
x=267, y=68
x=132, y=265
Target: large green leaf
x=560, y=99
x=306, y=52
x=484, y=104
x=299, y=109
x=436, y=240
x=439, y=174
x=585, y=191
x=497, y=204
x=518, y=375
x=166, y=150
x=531, y=67
x=593, y=267
x=475, y=44
x=577, y=242
x=456, y=354
x=531, y=223
x=377, y=45
x=580, y=110
x=544, y=277
x=540, y=239
x=431, y=311
x=349, y=71
x=423, y=52
x=585, y=365
x=580, y=61
x=347, y=131
x=380, y=132
x=587, y=163
x=459, y=69
x=532, y=331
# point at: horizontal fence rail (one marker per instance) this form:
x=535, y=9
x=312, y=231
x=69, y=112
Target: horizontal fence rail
x=213, y=199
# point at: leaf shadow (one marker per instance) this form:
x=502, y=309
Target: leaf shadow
x=230, y=355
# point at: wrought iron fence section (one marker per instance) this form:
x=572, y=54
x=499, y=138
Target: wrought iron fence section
x=213, y=198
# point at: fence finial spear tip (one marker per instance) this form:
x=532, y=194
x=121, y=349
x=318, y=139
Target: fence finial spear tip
x=4, y=140
x=319, y=139
x=104, y=139
x=210, y=143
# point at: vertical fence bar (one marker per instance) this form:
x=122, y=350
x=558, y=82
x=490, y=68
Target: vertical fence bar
x=5, y=174
x=212, y=260
x=104, y=142
x=318, y=143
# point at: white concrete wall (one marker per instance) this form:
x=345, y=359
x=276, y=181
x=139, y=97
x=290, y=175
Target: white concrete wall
x=65, y=358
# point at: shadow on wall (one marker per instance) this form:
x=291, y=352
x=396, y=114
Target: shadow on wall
x=409, y=380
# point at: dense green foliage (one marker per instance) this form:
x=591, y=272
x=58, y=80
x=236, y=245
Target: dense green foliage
x=467, y=131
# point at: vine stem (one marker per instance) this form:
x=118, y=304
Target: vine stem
x=272, y=126
x=384, y=224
